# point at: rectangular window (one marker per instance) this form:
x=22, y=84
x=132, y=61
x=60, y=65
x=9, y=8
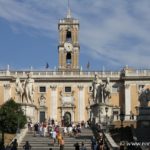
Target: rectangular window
x=42, y=89
x=68, y=89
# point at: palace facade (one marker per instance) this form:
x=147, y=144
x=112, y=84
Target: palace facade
x=67, y=91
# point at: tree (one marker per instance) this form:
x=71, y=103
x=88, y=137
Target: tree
x=11, y=115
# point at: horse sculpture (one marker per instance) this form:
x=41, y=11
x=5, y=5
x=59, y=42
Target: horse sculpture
x=107, y=91
x=20, y=89
x=101, y=90
x=25, y=89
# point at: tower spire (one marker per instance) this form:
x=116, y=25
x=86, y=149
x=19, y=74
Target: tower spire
x=69, y=10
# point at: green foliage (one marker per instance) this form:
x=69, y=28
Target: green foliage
x=11, y=115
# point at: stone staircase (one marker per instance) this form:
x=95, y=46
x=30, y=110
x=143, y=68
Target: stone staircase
x=44, y=143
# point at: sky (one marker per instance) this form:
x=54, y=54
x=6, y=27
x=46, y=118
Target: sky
x=113, y=33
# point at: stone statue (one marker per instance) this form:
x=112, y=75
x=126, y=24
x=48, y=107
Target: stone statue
x=144, y=97
x=107, y=91
x=19, y=88
x=97, y=88
x=101, y=90
x=25, y=89
x=29, y=88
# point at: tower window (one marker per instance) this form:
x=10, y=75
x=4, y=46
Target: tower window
x=68, y=36
x=68, y=58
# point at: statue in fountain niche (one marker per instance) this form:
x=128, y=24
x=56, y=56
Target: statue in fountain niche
x=26, y=89
x=144, y=96
x=101, y=90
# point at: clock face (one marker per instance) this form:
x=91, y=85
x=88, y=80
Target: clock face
x=68, y=46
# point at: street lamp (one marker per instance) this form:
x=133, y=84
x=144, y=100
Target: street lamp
x=122, y=117
x=106, y=110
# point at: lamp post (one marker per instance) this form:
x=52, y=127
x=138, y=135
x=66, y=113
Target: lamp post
x=106, y=110
x=122, y=117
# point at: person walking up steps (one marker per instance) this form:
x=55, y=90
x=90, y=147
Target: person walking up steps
x=27, y=146
x=62, y=144
x=14, y=145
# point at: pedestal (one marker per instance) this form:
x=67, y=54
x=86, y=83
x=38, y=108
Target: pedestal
x=31, y=112
x=101, y=113
x=143, y=119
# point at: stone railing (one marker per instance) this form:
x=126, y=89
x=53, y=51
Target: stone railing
x=21, y=135
x=137, y=73
x=50, y=73
x=110, y=142
x=59, y=73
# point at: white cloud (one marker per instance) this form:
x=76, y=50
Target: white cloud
x=116, y=32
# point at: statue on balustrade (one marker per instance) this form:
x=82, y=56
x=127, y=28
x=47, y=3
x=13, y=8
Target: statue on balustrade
x=101, y=90
x=25, y=89
x=144, y=96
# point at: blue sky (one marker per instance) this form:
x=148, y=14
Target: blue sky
x=113, y=33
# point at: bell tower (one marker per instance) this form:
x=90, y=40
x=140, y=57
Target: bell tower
x=68, y=47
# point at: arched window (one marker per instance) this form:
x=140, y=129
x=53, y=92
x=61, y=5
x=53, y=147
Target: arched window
x=68, y=58
x=68, y=36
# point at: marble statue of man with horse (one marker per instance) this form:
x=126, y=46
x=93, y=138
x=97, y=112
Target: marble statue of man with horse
x=101, y=90
x=25, y=89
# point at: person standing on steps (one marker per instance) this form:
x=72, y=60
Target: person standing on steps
x=77, y=146
x=14, y=145
x=27, y=146
x=62, y=144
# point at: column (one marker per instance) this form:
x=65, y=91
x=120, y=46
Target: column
x=7, y=92
x=81, y=103
x=53, y=102
x=127, y=101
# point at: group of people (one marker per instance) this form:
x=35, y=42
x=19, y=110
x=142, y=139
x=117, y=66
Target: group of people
x=78, y=147
x=14, y=146
x=98, y=144
x=72, y=129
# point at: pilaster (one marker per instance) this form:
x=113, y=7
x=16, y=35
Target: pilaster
x=53, y=102
x=127, y=100
x=81, y=103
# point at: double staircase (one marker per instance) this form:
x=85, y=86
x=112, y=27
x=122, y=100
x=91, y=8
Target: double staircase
x=45, y=143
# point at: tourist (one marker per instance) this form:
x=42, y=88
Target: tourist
x=77, y=146
x=14, y=145
x=27, y=146
x=82, y=146
x=44, y=129
x=101, y=143
x=62, y=144
x=93, y=140
x=65, y=130
x=54, y=136
x=36, y=127
x=41, y=130
x=59, y=137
